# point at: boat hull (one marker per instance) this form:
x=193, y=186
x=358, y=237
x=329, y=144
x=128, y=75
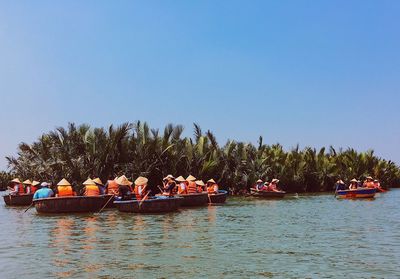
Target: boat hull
x=18, y=200
x=360, y=193
x=219, y=198
x=197, y=199
x=267, y=194
x=153, y=205
x=70, y=204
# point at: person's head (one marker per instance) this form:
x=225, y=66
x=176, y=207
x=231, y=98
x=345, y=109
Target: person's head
x=15, y=181
x=44, y=185
x=141, y=181
x=180, y=179
x=259, y=181
x=27, y=182
x=354, y=181
x=369, y=179
x=275, y=181
x=376, y=181
x=89, y=182
x=63, y=183
x=211, y=182
x=200, y=183
x=190, y=178
x=98, y=181
x=35, y=183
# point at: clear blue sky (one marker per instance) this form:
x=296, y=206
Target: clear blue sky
x=316, y=73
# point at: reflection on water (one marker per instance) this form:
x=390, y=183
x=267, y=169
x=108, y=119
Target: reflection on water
x=310, y=236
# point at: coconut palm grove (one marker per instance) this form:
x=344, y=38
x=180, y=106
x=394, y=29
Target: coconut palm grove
x=135, y=149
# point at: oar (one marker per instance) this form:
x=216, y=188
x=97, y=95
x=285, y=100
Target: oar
x=28, y=208
x=144, y=198
x=336, y=191
x=105, y=204
x=162, y=191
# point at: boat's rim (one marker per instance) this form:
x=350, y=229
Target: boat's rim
x=257, y=191
x=149, y=200
x=193, y=194
x=71, y=198
x=356, y=190
x=220, y=193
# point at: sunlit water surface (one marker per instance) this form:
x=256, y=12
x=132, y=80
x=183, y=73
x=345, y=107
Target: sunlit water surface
x=314, y=236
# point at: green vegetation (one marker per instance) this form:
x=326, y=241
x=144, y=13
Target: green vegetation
x=77, y=152
x=5, y=178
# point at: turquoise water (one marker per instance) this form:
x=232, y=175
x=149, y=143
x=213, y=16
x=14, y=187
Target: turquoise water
x=314, y=236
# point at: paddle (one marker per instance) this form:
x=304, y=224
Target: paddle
x=28, y=208
x=106, y=204
x=161, y=190
x=337, y=185
x=144, y=198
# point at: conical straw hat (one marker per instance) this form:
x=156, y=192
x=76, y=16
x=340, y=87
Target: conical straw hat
x=370, y=178
x=27, y=182
x=259, y=181
x=141, y=180
x=180, y=179
x=35, y=183
x=63, y=182
x=211, y=181
x=190, y=178
x=16, y=180
x=98, y=181
x=354, y=180
x=122, y=180
x=89, y=182
x=275, y=180
x=200, y=182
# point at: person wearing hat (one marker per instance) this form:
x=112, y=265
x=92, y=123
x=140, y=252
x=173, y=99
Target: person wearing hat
x=183, y=185
x=100, y=184
x=369, y=182
x=340, y=185
x=259, y=185
x=17, y=188
x=31, y=187
x=141, y=190
x=124, y=187
x=273, y=186
x=377, y=185
x=200, y=185
x=192, y=187
x=112, y=187
x=43, y=192
x=169, y=185
x=90, y=188
x=212, y=186
x=353, y=184
x=64, y=189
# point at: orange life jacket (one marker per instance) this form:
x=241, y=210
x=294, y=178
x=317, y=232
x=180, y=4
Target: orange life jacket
x=137, y=194
x=65, y=191
x=192, y=187
x=212, y=189
x=182, y=191
x=91, y=190
x=112, y=187
x=21, y=189
x=369, y=184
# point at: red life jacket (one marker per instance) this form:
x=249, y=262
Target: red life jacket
x=21, y=189
x=112, y=188
x=192, y=187
x=33, y=189
x=65, y=191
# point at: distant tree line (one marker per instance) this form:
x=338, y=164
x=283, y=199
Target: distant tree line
x=133, y=149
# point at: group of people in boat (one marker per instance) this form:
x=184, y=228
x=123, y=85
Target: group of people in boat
x=267, y=186
x=369, y=182
x=119, y=187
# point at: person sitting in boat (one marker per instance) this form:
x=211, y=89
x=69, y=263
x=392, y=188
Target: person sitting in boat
x=31, y=189
x=260, y=185
x=200, y=186
x=90, y=188
x=64, y=189
x=100, y=184
x=43, y=192
x=16, y=187
x=141, y=190
x=27, y=184
x=353, y=184
x=369, y=182
x=377, y=185
x=169, y=185
x=124, y=187
x=182, y=185
x=340, y=185
x=212, y=186
x=192, y=187
x=273, y=186
x=112, y=187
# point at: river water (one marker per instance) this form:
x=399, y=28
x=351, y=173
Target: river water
x=312, y=236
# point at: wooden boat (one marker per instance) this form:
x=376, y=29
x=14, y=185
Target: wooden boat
x=356, y=193
x=267, y=194
x=70, y=204
x=18, y=200
x=196, y=199
x=109, y=203
x=218, y=198
x=159, y=204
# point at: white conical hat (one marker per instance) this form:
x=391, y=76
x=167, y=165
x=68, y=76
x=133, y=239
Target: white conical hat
x=141, y=180
x=16, y=180
x=190, y=178
x=200, y=182
x=27, y=182
x=89, y=182
x=63, y=182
